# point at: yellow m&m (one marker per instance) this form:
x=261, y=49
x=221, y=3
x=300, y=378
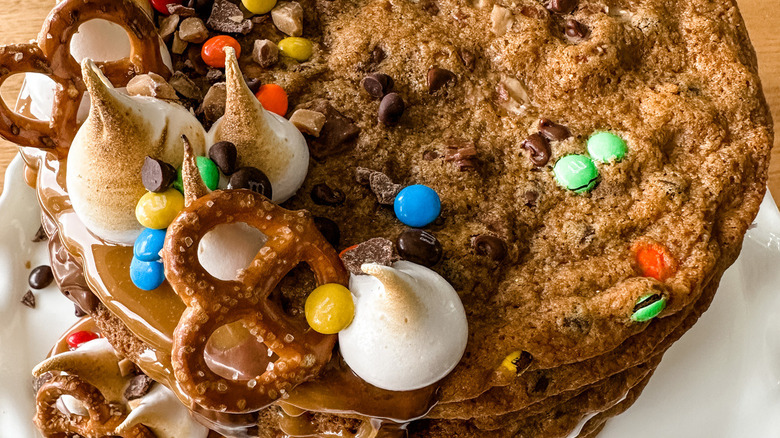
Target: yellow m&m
x=297, y=48
x=259, y=6
x=329, y=308
x=157, y=210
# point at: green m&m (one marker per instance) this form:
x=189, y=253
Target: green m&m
x=577, y=173
x=648, y=307
x=209, y=172
x=606, y=147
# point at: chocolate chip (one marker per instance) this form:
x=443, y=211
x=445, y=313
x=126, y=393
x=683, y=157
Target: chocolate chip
x=464, y=155
x=322, y=194
x=251, y=178
x=469, y=58
x=553, y=131
x=226, y=17
x=522, y=362
x=40, y=277
x=540, y=385
x=40, y=235
x=562, y=6
x=224, y=155
x=337, y=134
x=377, y=84
x=29, y=299
x=138, y=387
x=419, y=246
x=384, y=188
x=490, y=246
x=430, y=155
x=438, y=78
x=329, y=230
x=575, y=30
x=391, y=109
x=539, y=148
x=530, y=197
x=157, y=175
x=377, y=250
x=377, y=55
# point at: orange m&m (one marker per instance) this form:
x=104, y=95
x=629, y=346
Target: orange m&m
x=213, y=51
x=654, y=260
x=273, y=98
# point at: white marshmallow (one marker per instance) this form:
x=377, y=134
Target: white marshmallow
x=410, y=328
x=228, y=249
x=164, y=414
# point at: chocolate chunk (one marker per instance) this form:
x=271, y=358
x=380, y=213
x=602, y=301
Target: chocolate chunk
x=288, y=18
x=469, y=58
x=224, y=155
x=168, y=26
x=251, y=178
x=180, y=10
x=215, y=75
x=185, y=86
x=377, y=84
x=562, y=6
x=489, y=246
x=438, y=78
x=138, y=387
x=157, y=175
x=41, y=380
x=40, y=235
x=201, y=6
x=419, y=246
x=329, y=229
x=553, y=131
x=193, y=30
x=384, y=188
x=363, y=175
x=265, y=53
x=430, y=155
x=539, y=148
x=213, y=105
x=463, y=155
x=29, y=299
x=40, y=277
x=338, y=133
x=575, y=31
x=391, y=109
x=178, y=46
x=429, y=6
x=254, y=84
x=226, y=17
x=377, y=250
x=530, y=197
x=322, y=194
x=152, y=85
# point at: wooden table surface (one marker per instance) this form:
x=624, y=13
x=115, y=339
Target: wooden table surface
x=20, y=21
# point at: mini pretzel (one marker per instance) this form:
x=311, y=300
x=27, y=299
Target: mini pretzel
x=212, y=303
x=102, y=420
x=51, y=56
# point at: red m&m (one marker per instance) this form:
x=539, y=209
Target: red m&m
x=161, y=6
x=78, y=338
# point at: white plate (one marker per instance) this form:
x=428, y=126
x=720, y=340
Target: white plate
x=722, y=380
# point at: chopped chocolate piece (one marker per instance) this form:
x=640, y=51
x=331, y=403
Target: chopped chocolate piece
x=438, y=78
x=329, y=229
x=562, y=6
x=419, y=246
x=40, y=277
x=168, y=26
x=180, y=10
x=489, y=246
x=29, y=299
x=501, y=19
x=259, y=19
x=322, y=194
x=224, y=154
x=539, y=148
x=530, y=197
x=377, y=84
x=40, y=235
x=227, y=17
x=553, y=131
x=195, y=60
x=288, y=18
x=391, y=109
x=464, y=156
x=308, y=121
x=215, y=75
x=254, y=84
x=362, y=175
x=157, y=175
x=469, y=58
x=384, y=188
x=377, y=55
x=138, y=387
x=337, y=134
x=185, y=86
x=575, y=31
x=430, y=155
x=178, y=46
x=265, y=53
x=193, y=30
x=152, y=85
x=251, y=178
x=377, y=250
x=39, y=381
x=213, y=105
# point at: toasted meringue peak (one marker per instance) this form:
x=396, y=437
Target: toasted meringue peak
x=194, y=187
x=164, y=414
x=264, y=140
x=95, y=362
x=409, y=330
x=106, y=156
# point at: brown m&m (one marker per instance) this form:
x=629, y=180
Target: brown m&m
x=251, y=178
x=419, y=246
x=490, y=246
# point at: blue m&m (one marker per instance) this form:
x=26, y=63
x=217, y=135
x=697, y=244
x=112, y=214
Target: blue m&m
x=146, y=269
x=417, y=205
x=149, y=244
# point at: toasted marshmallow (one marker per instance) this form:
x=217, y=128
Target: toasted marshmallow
x=410, y=328
x=263, y=139
x=107, y=153
x=164, y=414
x=228, y=249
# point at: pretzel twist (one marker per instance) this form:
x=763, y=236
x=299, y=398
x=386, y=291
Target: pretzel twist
x=51, y=56
x=212, y=303
x=102, y=420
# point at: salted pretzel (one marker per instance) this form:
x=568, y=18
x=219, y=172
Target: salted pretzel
x=50, y=55
x=212, y=303
x=102, y=420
